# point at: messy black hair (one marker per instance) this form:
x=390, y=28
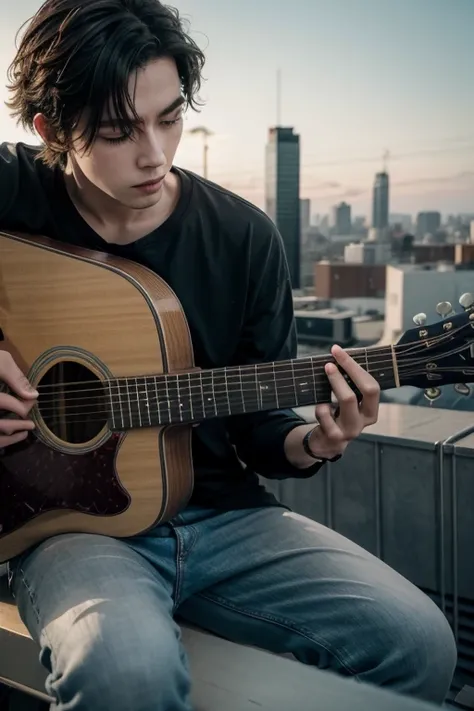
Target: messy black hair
x=77, y=56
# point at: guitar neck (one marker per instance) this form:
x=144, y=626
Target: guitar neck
x=148, y=401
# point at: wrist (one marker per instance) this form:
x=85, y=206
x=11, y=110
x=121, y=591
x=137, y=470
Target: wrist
x=317, y=453
x=295, y=451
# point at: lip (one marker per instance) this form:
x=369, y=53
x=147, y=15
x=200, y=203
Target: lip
x=150, y=185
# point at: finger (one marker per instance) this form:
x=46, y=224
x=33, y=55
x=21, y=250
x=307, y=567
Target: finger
x=12, y=426
x=12, y=404
x=14, y=439
x=329, y=427
x=369, y=408
x=349, y=419
x=365, y=383
x=360, y=377
x=14, y=378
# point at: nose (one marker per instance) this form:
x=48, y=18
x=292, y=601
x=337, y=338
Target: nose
x=151, y=152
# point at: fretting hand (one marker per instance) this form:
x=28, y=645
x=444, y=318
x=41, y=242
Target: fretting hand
x=13, y=430
x=336, y=432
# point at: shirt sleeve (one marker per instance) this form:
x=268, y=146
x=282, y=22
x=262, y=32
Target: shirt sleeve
x=268, y=334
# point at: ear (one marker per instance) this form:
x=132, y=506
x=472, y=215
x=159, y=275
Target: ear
x=44, y=130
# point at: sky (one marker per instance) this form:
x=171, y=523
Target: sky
x=358, y=77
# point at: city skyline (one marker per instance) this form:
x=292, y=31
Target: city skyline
x=358, y=78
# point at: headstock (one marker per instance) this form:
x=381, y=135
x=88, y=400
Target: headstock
x=442, y=353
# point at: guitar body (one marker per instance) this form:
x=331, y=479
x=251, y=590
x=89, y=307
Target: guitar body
x=75, y=316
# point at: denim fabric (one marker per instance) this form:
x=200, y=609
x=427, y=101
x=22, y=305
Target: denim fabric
x=104, y=610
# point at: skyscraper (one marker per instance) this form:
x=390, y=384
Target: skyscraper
x=305, y=214
x=282, y=192
x=380, y=203
x=341, y=220
x=427, y=223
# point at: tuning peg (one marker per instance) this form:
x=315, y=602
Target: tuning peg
x=444, y=308
x=419, y=319
x=466, y=301
x=462, y=389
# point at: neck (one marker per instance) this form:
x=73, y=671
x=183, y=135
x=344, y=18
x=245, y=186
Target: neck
x=113, y=221
x=195, y=396
x=93, y=204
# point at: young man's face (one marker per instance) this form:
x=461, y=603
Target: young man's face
x=127, y=169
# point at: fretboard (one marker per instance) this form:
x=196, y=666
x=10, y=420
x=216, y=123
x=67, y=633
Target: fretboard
x=148, y=401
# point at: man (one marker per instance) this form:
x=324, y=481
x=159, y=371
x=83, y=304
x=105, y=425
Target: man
x=105, y=84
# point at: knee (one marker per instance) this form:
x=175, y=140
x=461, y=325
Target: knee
x=142, y=669
x=412, y=646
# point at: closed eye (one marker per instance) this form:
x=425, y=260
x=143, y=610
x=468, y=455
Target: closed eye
x=121, y=139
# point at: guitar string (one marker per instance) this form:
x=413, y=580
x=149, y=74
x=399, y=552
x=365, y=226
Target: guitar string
x=275, y=369
x=188, y=389
x=185, y=412
x=218, y=398
x=276, y=366
x=364, y=353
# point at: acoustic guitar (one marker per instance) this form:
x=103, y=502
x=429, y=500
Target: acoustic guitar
x=106, y=343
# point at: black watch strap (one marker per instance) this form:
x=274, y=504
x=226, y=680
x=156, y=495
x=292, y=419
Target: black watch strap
x=310, y=453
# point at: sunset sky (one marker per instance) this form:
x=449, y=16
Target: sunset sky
x=358, y=76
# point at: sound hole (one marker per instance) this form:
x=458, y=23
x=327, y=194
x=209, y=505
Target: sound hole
x=72, y=402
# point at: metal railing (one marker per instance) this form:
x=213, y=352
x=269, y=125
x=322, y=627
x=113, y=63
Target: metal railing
x=405, y=492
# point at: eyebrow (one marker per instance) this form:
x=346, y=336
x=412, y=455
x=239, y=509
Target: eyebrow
x=179, y=101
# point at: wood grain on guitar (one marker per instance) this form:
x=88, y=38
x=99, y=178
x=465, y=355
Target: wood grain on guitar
x=106, y=343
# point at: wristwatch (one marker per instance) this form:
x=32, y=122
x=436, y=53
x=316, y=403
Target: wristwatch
x=310, y=453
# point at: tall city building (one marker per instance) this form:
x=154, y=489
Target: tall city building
x=341, y=221
x=282, y=192
x=380, y=201
x=305, y=214
x=427, y=223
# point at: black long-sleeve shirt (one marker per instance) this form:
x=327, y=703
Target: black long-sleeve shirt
x=225, y=261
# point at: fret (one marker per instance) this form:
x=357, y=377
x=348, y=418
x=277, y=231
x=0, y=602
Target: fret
x=112, y=414
x=160, y=401
x=190, y=395
x=268, y=398
x=202, y=394
x=257, y=387
x=115, y=405
x=182, y=404
x=313, y=375
x=139, y=402
x=129, y=403
x=226, y=384
x=173, y=398
x=143, y=403
x=208, y=399
x=293, y=382
x=248, y=388
x=186, y=411
x=242, y=394
x=277, y=399
x=167, y=400
x=219, y=389
x=284, y=384
x=304, y=382
x=213, y=394
x=235, y=393
x=120, y=401
x=196, y=397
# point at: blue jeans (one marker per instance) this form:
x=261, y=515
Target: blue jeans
x=103, y=609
